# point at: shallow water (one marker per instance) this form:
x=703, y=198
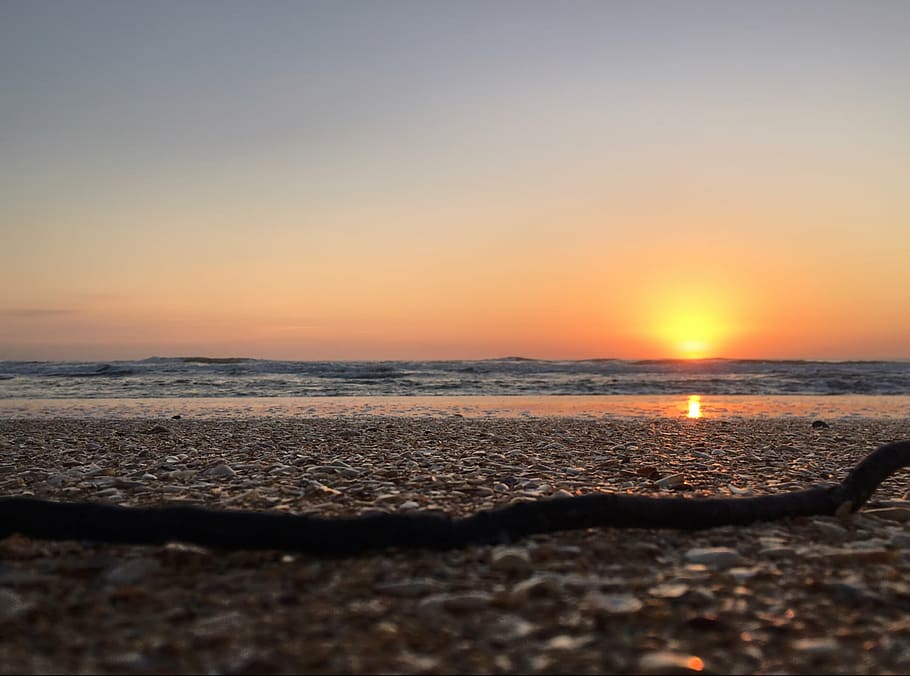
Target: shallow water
x=592, y=406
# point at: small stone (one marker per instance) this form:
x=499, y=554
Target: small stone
x=511, y=627
x=612, y=604
x=510, y=559
x=408, y=505
x=132, y=571
x=820, y=424
x=816, y=646
x=109, y=494
x=566, y=642
x=420, y=664
x=457, y=603
x=672, y=481
x=217, y=625
x=778, y=553
x=534, y=586
x=668, y=590
x=831, y=530
x=318, y=485
x=900, y=514
x=853, y=593
x=714, y=557
x=668, y=662
x=220, y=471
x=743, y=574
x=857, y=555
x=183, y=553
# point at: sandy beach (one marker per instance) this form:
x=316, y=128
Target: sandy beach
x=801, y=596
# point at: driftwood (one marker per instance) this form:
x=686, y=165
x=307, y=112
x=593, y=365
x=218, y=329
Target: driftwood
x=234, y=529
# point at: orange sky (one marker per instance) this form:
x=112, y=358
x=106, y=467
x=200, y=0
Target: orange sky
x=322, y=181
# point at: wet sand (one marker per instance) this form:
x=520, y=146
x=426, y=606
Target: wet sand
x=590, y=407
x=800, y=596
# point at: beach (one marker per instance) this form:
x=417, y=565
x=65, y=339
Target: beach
x=808, y=595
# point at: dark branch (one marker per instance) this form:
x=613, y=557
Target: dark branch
x=343, y=536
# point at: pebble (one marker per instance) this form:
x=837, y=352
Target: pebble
x=742, y=574
x=566, y=642
x=59, y=480
x=669, y=590
x=132, y=571
x=612, y=604
x=900, y=514
x=534, y=586
x=220, y=471
x=462, y=602
x=510, y=627
x=831, y=530
x=510, y=559
x=841, y=556
x=714, y=557
x=112, y=494
x=668, y=662
x=852, y=592
x=778, y=553
x=672, y=481
x=819, y=647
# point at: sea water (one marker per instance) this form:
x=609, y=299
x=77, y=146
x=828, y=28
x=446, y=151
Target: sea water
x=510, y=386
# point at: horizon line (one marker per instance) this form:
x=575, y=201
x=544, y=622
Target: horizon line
x=235, y=359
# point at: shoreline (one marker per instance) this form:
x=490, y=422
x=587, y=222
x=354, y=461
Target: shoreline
x=475, y=406
x=799, y=596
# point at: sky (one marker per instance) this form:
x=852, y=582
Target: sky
x=429, y=179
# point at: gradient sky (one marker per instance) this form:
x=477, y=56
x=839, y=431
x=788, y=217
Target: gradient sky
x=429, y=179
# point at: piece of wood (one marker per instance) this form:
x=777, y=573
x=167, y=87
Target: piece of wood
x=345, y=536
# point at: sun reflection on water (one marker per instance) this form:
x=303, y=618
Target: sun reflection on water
x=694, y=406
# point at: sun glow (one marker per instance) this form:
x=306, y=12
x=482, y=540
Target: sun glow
x=694, y=407
x=692, y=322
x=692, y=332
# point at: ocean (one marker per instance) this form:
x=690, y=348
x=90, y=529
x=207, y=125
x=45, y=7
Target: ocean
x=237, y=377
x=508, y=386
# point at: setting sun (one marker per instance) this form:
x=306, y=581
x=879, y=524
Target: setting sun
x=693, y=311
x=692, y=330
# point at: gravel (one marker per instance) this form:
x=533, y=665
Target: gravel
x=806, y=595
